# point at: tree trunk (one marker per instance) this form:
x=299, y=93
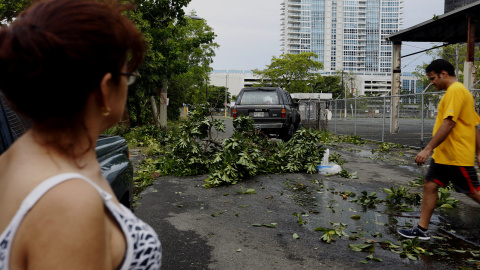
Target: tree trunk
x=125, y=117
x=155, y=112
x=163, y=104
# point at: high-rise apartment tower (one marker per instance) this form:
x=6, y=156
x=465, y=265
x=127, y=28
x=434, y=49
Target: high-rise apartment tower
x=345, y=34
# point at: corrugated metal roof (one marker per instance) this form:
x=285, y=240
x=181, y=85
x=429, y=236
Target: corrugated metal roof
x=450, y=27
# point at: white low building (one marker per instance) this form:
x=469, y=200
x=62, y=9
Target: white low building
x=359, y=84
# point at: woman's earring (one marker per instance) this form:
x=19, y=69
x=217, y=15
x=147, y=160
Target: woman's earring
x=107, y=111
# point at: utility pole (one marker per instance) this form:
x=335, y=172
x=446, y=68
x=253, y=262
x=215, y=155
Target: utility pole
x=345, y=96
x=226, y=90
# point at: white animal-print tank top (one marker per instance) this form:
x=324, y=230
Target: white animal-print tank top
x=144, y=250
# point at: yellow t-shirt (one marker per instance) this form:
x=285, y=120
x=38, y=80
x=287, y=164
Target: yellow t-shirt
x=459, y=147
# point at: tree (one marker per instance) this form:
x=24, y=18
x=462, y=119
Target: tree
x=450, y=54
x=330, y=84
x=171, y=46
x=293, y=72
x=9, y=9
x=216, y=96
x=190, y=87
x=159, y=21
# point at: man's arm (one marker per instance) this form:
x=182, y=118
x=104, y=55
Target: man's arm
x=440, y=136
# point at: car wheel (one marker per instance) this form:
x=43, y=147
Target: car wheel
x=300, y=126
x=288, y=134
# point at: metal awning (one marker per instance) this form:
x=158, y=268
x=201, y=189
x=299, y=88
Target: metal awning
x=451, y=27
x=457, y=26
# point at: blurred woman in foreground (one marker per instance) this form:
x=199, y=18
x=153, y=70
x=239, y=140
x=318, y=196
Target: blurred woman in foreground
x=66, y=65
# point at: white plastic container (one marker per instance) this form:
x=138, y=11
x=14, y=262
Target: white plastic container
x=326, y=167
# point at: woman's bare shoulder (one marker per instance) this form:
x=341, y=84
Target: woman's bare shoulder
x=72, y=214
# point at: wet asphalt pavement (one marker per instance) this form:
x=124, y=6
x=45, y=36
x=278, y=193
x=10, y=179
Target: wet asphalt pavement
x=274, y=228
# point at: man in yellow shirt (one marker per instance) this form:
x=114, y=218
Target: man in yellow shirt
x=455, y=142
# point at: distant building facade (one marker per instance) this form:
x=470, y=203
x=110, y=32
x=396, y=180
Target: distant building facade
x=346, y=35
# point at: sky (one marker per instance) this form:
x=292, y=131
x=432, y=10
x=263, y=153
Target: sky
x=248, y=31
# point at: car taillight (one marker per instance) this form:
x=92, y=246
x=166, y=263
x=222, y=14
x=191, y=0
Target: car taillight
x=234, y=113
x=284, y=113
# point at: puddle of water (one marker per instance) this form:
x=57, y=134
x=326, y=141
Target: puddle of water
x=365, y=154
x=454, y=230
x=411, y=168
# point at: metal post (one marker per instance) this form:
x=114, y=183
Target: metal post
x=226, y=91
x=335, y=129
x=396, y=73
x=384, y=110
x=421, y=106
x=355, y=117
x=423, y=117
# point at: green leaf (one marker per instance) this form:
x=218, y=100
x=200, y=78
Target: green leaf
x=355, y=217
x=412, y=257
x=362, y=247
x=370, y=257
x=446, y=206
x=295, y=236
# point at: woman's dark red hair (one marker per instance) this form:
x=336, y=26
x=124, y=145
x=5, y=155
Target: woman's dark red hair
x=56, y=53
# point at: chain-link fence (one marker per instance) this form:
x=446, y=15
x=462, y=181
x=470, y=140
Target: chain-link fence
x=370, y=117
x=314, y=113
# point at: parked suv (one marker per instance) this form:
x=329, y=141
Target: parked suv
x=272, y=109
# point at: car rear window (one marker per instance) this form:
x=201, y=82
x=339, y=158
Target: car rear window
x=259, y=97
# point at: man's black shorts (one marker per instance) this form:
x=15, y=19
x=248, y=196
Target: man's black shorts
x=463, y=178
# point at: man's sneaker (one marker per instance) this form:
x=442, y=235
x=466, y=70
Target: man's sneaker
x=415, y=232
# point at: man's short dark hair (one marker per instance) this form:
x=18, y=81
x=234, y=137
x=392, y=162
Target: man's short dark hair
x=439, y=65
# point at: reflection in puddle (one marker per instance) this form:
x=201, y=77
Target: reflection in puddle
x=366, y=154
x=411, y=168
x=454, y=231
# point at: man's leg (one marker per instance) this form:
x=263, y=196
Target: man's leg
x=429, y=202
x=475, y=196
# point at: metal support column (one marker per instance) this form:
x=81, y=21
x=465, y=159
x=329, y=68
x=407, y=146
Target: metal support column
x=396, y=72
